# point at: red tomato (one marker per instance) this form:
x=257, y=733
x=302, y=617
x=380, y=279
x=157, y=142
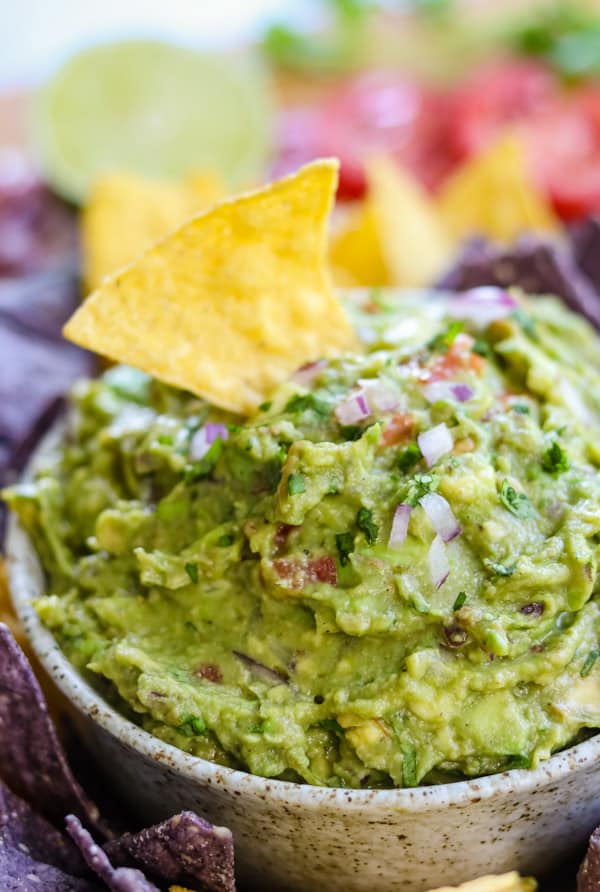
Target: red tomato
x=504, y=92
x=381, y=111
x=376, y=112
x=564, y=142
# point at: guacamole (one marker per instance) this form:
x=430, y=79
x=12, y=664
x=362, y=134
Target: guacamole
x=386, y=577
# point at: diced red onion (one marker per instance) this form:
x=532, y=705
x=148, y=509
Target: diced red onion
x=482, y=305
x=441, y=516
x=205, y=437
x=353, y=409
x=306, y=374
x=399, y=525
x=447, y=390
x=435, y=443
x=439, y=567
x=380, y=396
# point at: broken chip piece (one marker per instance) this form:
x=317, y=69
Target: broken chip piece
x=232, y=302
x=117, y=879
x=184, y=849
x=31, y=756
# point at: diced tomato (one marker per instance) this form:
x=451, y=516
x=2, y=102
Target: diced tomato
x=458, y=358
x=209, y=671
x=504, y=92
x=300, y=573
x=399, y=429
x=281, y=535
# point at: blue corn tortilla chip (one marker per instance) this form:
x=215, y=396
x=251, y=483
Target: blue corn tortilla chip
x=184, y=850
x=40, y=303
x=117, y=879
x=23, y=828
x=535, y=265
x=32, y=759
x=588, y=878
x=585, y=242
x=34, y=375
x=21, y=873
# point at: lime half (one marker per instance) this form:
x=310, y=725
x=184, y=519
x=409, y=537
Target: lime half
x=157, y=109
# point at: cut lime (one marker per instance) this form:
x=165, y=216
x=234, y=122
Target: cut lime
x=153, y=108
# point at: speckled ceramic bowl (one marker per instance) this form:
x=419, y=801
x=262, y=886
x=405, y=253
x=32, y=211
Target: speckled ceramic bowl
x=301, y=838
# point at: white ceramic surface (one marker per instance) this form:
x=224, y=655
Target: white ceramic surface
x=297, y=838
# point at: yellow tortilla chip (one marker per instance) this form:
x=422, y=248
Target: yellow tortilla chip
x=233, y=301
x=355, y=253
x=126, y=213
x=494, y=195
x=395, y=238
x=508, y=882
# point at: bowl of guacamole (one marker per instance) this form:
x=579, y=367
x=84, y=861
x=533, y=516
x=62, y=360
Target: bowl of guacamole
x=382, y=584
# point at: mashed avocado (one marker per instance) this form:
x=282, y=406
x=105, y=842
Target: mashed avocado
x=386, y=577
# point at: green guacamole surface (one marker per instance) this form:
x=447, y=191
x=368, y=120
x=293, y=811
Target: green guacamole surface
x=248, y=605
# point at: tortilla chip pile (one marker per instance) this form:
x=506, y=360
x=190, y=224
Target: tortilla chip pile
x=37, y=856
x=231, y=303
x=38, y=291
x=400, y=235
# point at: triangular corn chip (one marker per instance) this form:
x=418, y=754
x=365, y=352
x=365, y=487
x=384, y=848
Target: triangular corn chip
x=395, y=238
x=127, y=213
x=413, y=240
x=233, y=301
x=508, y=882
x=494, y=195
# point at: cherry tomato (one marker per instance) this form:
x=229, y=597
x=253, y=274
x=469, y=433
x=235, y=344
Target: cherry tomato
x=564, y=146
x=503, y=92
x=381, y=111
x=375, y=112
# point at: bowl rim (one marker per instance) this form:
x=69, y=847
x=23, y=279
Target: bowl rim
x=26, y=579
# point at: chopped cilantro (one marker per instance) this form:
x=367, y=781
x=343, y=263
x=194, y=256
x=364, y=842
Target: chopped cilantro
x=409, y=457
x=352, y=431
x=225, y=540
x=521, y=408
x=419, y=486
x=589, y=662
x=345, y=545
x=555, y=460
x=526, y=322
x=518, y=761
x=191, y=725
x=264, y=407
x=165, y=439
x=444, y=340
x=481, y=347
x=192, y=572
x=500, y=569
x=271, y=474
x=331, y=725
x=301, y=402
x=515, y=502
x=296, y=484
x=410, y=775
x=206, y=464
x=364, y=521
x=460, y=600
